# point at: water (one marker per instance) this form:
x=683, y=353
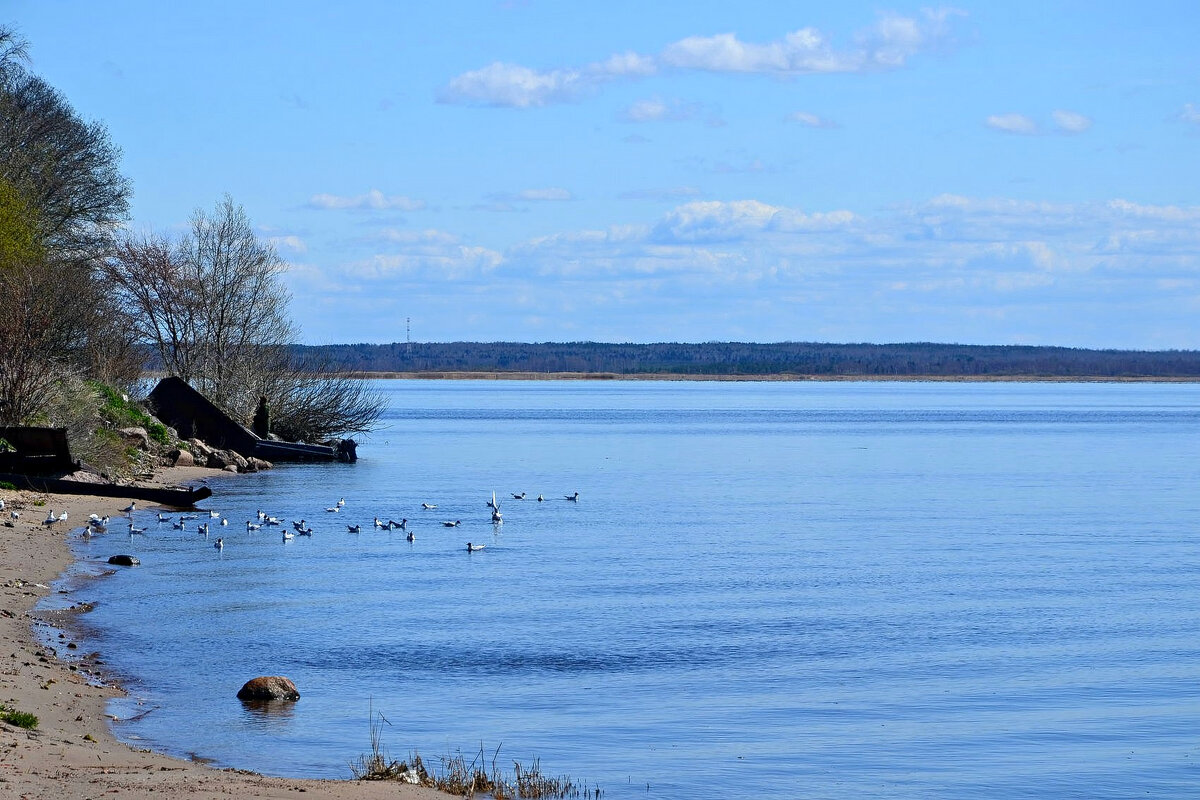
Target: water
x=765, y=589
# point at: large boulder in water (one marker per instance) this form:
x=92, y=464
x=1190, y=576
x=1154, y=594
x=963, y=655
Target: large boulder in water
x=269, y=687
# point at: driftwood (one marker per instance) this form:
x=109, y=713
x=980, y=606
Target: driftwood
x=174, y=497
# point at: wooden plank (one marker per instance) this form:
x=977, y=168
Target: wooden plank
x=176, y=498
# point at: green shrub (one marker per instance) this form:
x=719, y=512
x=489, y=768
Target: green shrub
x=6, y=485
x=22, y=719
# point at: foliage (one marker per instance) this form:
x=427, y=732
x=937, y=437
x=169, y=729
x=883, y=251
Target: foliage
x=22, y=719
x=7, y=485
x=212, y=306
x=61, y=195
x=66, y=168
x=118, y=411
x=755, y=359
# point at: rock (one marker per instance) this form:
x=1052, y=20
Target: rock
x=181, y=458
x=231, y=468
x=269, y=687
x=137, y=436
x=124, y=561
x=223, y=459
x=258, y=464
x=199, y=448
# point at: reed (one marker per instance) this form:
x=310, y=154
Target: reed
x=455, y=775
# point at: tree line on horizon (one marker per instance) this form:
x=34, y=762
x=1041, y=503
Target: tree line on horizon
x=748, y=358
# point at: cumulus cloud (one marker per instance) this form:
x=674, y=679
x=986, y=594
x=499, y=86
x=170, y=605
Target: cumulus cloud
x=889, y=44
x=374, y=199
x=718, y=221
x=1012, y=123
x=810, y=120
x=1071, y=121
x=1190, y=114
x=424, y=254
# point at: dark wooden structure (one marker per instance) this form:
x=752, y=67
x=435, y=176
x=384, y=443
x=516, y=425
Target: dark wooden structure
x=39, y=456
x=195, y=416
x=36, y=451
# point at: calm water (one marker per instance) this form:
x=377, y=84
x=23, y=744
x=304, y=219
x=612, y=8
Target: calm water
x=765, y=589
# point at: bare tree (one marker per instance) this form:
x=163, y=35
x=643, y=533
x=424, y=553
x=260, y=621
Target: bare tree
x=213, y=306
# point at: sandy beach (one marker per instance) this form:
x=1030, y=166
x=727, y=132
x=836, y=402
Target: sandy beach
x=72, y=753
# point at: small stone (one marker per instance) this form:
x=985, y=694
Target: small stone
x=124, y=561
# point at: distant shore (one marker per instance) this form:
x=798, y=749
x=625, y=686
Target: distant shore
x=72, y=754
x=435, y=375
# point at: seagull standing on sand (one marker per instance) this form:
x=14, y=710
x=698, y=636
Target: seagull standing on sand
x=132, y=507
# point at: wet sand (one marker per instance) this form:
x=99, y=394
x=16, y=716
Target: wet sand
x=72, y=753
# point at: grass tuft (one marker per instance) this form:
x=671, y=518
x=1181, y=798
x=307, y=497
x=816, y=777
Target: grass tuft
x=454, y=774
x=22, y=719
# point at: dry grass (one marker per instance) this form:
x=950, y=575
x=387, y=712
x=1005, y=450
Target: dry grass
x=455, y=775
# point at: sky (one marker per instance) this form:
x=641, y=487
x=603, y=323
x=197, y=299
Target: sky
x=975, y=173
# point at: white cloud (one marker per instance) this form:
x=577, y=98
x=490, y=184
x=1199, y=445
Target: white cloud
x=717, y=221
x=1190, y=114
x=374, y=199
x=500, y=84
x=889, y=44
x=424, y=254
x=656, y=109
x=810, y=120
x=291, y=244
x=502, y=201
x=1012, y=123
x=1071, y=121
x=670, y=193
x=551, y=194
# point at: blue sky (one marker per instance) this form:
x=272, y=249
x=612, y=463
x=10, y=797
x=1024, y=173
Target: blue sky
x=982, y=173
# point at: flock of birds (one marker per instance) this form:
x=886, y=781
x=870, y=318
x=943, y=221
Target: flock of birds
x=97, y=524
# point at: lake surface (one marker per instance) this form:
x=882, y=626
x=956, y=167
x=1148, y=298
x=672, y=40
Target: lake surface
x=902, y=590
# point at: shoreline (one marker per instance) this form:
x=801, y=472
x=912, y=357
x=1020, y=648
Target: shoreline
x=483, y=375
x=73, y=753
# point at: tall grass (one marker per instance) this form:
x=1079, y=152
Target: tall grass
x=454, y=774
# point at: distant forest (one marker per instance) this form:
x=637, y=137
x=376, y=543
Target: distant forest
x=748, y=359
